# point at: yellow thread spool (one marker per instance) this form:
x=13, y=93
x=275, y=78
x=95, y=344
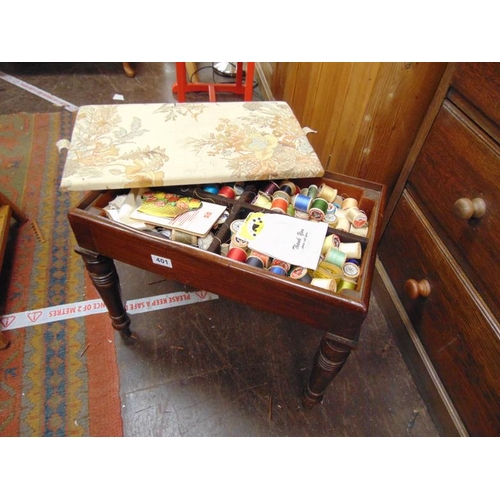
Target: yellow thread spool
x=327, y=193
x=349, y=203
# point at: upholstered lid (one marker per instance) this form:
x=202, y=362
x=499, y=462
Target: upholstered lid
x=145, y=145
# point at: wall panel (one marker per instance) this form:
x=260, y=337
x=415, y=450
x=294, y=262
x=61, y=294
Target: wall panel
x=366, y=114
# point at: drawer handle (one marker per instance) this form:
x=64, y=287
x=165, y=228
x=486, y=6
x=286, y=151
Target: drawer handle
x=415, y=289
x=469, y=209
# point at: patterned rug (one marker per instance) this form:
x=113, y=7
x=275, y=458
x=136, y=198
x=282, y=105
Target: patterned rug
x=59, y=378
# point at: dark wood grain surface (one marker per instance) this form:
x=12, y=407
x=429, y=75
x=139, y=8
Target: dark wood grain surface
x=458, y=161
x=459, y=334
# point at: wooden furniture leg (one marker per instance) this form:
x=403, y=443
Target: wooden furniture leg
x=129, y=71
x=103, y=274
x=17, y=213
x=4, y=341
x=330, y=358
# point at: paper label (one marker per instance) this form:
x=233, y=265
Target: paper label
x=298, y=242
x=161, y=261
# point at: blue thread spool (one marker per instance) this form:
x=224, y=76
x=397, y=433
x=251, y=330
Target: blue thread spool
x=289, y=186
x=331, y=209
x=302, y=203
x=254, y=261
x=301, y=274
x=278, y=270
x=211, y=188
x=354, y=261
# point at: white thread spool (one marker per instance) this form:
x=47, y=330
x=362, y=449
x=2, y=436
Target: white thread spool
x=356, y=217
x=343, y=224
x=238, y=242
x=327, y=284
x=338, y=201
x=352, y=250
x=360, y=231
x=331, y=241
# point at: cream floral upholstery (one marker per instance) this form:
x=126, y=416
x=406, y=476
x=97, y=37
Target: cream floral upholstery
x=145, y=145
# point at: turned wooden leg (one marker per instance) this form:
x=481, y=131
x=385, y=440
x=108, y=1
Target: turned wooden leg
x=4, y=341
x=330, y=358
x=129, y=71
x=17, y=213
x=103, y=273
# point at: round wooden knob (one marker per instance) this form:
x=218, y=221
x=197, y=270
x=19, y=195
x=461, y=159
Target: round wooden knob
x=415, y=289
x=469, y=209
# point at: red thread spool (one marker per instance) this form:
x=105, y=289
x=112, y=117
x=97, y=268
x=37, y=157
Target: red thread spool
x=279, y=205
x=227, y=192
x=238, y=254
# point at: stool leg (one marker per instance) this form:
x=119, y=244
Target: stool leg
x=16, y=211
x=330, y=358
x=181, y=83
x=4, y=341
x=248, y=95
x=129, y=71
x=103, y=274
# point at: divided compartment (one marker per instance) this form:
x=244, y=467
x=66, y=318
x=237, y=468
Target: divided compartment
x=242, y=206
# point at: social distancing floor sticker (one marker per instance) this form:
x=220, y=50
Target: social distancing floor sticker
x=96, y=306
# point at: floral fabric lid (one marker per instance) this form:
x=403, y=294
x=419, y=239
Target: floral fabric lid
x=147, y=145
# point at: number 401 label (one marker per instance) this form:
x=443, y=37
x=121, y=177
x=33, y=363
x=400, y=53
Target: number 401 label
x=161, y=261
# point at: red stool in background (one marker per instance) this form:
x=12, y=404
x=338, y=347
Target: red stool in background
x=182, y=86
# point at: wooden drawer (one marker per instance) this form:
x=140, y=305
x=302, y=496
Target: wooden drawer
x=479, y=83
x=458, y=332
x=459, y=161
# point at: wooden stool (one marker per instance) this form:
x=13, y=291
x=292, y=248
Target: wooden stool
x=182, y=86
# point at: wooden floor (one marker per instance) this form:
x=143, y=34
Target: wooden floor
x=218, y=368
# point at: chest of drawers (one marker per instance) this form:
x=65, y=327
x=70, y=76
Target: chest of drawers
x=438, y=273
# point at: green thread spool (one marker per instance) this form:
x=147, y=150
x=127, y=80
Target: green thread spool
x=346, y=285
x=318, y=209
x=312, y=191
x=336, y=257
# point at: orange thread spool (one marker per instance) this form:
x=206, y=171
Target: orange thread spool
x=279, y=205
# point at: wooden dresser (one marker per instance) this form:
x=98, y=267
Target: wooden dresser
x=438, y=268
